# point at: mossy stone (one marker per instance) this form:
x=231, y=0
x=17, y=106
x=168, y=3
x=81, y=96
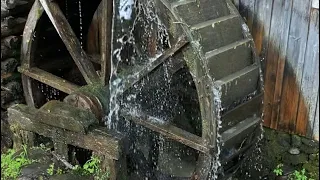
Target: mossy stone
x=295, y=159
x=314, y=157
x=309, y=149
x=296, y=141
x=310, y=142
x=269, y=134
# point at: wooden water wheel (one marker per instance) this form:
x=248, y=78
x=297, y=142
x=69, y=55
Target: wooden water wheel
x=190, y=66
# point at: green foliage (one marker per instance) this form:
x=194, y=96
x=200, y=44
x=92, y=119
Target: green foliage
x=11, y=163
x=59, y=171
x=278, y=170
x=51, y=170
x=91, y=167
x=299, y=175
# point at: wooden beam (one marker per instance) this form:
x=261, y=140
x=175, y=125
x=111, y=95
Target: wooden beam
x=145, y=70
x=98, y=139
x=106, y=34
x=69, y=38
x=49, y=79
x=168, y=130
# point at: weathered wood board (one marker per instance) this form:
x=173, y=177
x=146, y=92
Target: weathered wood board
x=286, y=36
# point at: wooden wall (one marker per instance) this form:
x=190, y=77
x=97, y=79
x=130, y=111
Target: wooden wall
x=286, y=35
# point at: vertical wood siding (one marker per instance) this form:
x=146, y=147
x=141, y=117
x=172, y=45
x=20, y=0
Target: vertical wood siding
x=286, y=34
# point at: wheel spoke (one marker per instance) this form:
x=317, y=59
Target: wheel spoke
x=49, y=79
x=145, y=70
x=168, y=130
x=69, y=38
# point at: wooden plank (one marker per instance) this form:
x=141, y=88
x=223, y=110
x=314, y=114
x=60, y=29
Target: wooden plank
x=298, y=34
x=246, y=9
x=247, y=78
x=239, y=54
x=284, y=36
x=211, y=36
x=260, y=32
x=261, y=27
x=277, y=47
x=69, y=38
x=168, y=130
x=106, y=38
x=250, y=108
x=310, y=79
x=98, y=139
x=49, y=79
x=239, y=132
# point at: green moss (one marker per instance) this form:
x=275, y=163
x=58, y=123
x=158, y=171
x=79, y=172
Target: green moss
x=312, y=171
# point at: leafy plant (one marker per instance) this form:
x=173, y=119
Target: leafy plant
x=59, y=171
x=51, y=170
x=299, y=175
x=11, y=163
x=91, y=167
x=278, y=170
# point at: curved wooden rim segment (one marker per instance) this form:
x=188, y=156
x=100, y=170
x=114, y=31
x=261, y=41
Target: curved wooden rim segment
x=26, y=49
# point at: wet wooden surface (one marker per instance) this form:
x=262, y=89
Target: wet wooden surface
x=286, y=37
x=98, y=139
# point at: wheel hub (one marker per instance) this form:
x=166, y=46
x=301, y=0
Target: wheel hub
x=93, y=98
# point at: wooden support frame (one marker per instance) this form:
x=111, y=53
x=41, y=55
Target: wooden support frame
x=106, y=144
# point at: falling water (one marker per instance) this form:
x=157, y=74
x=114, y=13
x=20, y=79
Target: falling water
x=80, y=23
x=67, y=14
x=129, y=9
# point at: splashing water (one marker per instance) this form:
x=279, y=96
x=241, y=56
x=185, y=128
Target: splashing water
x=125, y=9
x=144, y=16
